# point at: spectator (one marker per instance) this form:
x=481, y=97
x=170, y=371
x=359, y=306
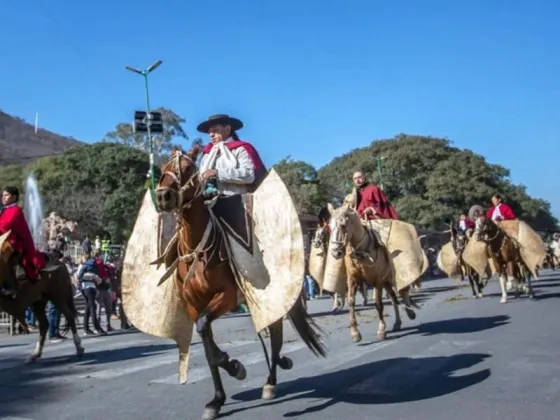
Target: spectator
x=103, y=295
x=88, y=278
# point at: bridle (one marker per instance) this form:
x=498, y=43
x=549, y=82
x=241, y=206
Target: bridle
x=177, y=178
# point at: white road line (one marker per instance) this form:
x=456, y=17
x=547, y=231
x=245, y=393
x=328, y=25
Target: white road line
x=14, y=418
x=333, y=361
x=409, y=372
x=201, y=373
x=147, y=362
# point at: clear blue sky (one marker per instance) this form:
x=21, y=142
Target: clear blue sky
x=310, y=78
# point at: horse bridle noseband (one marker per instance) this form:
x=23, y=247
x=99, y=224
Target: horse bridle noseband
x=177, y=179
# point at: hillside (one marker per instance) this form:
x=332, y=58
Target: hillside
x=20, y=144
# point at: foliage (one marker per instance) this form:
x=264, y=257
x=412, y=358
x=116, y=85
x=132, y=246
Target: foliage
x=100, y=186
x=428, y=180
x=163, y=143
x=301, y=179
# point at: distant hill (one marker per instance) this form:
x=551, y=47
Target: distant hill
x=20, y=145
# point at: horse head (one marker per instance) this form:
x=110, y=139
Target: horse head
x=180, y=183
x=485, y=229
x=345, y=226
x=321, y=237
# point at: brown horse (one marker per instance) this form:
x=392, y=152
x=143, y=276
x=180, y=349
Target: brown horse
x=459, y=239
x=208, y=283
x=505, y=253
x=54, y=285
x=366, y=260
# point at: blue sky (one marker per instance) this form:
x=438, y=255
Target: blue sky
x=311, y=79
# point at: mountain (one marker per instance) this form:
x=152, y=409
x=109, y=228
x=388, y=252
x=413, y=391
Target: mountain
x=20, y=145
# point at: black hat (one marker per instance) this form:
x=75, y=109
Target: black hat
x=222, y=119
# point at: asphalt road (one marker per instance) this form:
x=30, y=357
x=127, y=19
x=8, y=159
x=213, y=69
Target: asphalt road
x=461, y=359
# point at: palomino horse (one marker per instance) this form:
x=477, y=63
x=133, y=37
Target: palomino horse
x=368, y=260
x=208, y=284
x=54, y=285
x=505, y=253
x=319, y=248
x=459, y=239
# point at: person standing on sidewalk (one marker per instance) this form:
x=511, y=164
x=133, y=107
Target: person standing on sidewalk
x=103, y=297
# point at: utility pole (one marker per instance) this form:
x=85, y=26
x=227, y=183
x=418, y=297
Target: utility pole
x=380, y=159
x=148, y=122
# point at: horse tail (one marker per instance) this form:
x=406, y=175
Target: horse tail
x=306, y=328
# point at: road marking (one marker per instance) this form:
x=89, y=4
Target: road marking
x=14, y=418
x=146, y=363
x=199, y=374
x=409, y=372
x=333, y=361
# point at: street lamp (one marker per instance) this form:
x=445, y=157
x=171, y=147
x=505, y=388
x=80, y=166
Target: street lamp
x=144, y=122
x=379, y=160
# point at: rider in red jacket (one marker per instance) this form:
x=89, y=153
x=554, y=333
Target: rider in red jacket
x=21, y=240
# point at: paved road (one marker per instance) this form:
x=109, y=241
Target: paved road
x=461, y=359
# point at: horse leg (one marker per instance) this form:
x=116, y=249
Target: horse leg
x=354, y=332
x=512, y=281
x=393, y=296
x=216, y=358
x=478, y=283
x=285, y=363
x=503, y=286
x=405, y=296
x=41, y=316
x=382, y=329
x=364, y=291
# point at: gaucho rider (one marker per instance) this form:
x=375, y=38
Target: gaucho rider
x=30, y=262
x=229, y=165
x=371, y=201
x=500, y=210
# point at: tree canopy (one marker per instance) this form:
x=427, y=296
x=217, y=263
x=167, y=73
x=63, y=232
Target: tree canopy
x=101, y=186
x=428, y=180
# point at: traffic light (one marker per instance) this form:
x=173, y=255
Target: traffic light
x=142, y=119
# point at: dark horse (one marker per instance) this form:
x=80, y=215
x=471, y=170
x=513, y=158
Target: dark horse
x=459, y=239
x=505, y=252
x=208, y=284
x=54, y=284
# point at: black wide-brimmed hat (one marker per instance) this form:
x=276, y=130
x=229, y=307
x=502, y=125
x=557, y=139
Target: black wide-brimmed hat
x=222, y=119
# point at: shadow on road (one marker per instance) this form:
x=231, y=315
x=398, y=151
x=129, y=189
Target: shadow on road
x=455, y=326
x=379, y=382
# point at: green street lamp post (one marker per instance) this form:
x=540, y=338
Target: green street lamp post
x=379, y=160
x=147, y=121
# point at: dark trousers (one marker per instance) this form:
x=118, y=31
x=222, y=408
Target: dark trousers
x=89, y=312
x=53, y=317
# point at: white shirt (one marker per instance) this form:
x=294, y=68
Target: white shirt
x=497, y=213
x=234, y=168
x=463, y=225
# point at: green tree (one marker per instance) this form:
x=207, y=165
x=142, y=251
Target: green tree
x=163, y=143
x=428, y=180
x=302, y=181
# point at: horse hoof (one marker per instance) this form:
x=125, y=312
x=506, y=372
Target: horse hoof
x=268, y=392
x=241, y=372
x=410, y=313
x=285, y=363
x=80, y=351
x=356, y=337
x=479, y=296
x=30, y=360
x=397, y=326
x=381, y=335
x=503, y=300
x=210, y=413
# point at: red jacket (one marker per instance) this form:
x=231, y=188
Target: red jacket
x=505, y=210
x=101, y=269
x=33, y=261
x=373, y=196
x=469, y=224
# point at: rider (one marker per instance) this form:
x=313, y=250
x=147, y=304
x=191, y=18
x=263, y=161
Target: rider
x=500, y=210
x=229, y=165
x=232, y=165
x=466, y=224
x=30, y=261
x=371, y=200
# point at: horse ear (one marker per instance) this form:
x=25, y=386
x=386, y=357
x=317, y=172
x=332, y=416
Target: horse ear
x=330, y=208
x=193, y=153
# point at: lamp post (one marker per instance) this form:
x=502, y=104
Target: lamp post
x=379, y=160
x=143, y=122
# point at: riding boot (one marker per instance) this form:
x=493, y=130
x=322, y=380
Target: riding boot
x=8, y=289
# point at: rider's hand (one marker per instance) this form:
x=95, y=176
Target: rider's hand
x=209, y=173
